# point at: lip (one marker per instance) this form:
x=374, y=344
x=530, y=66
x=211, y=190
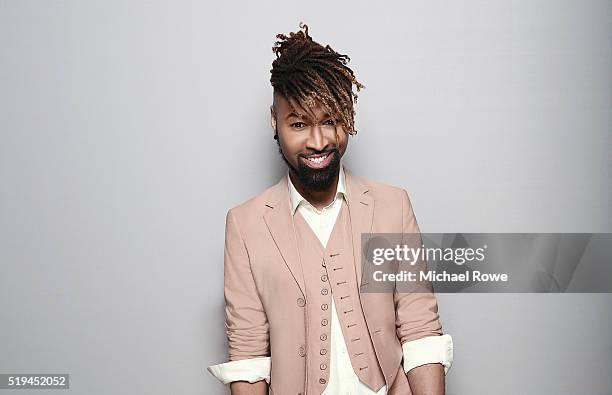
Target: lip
x=320, y=165
x=318, y=155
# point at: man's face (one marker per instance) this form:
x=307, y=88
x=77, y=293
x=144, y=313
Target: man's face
x=312, y=148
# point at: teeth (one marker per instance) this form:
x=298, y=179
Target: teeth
x=318, y=160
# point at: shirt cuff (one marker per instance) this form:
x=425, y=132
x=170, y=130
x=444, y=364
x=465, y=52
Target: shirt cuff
x=251, y=370
x=430, y=349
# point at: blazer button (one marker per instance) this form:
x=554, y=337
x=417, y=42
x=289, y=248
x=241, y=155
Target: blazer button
x=323, y=366
x=302, y=351
x=322, y=381
x=323, y=337
x=301, y=302
x=324, y=322
x=324, y=291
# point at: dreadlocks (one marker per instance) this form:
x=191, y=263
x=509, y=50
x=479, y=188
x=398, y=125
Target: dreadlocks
x=310, y=73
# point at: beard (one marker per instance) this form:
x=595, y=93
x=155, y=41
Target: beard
x=315, y=179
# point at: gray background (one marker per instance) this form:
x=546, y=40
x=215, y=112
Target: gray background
x=129, y=128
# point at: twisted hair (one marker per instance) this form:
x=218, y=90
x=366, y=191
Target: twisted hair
x=309, y=73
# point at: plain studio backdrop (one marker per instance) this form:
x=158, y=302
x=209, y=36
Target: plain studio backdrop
x=129, y=128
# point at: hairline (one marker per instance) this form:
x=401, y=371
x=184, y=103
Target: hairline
x=336, y=116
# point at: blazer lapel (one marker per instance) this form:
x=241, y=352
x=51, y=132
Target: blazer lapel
x=279, y=221
x=361, y=211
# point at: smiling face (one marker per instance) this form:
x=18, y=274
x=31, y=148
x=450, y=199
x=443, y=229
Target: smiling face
x=312, y=148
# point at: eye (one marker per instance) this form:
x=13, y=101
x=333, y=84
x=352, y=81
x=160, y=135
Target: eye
x=330, y=122
x=297, y=125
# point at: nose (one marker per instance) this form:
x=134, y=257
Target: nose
x=317, y=139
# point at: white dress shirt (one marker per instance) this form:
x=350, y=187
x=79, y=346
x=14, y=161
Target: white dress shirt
x=342, y=378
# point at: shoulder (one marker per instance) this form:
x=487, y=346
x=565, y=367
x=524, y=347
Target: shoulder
x=383, y=192
x=253, y=208
x=393, y=204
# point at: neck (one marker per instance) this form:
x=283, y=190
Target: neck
x=318, y=199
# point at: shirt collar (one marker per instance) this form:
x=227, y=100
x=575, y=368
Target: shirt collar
x=297, y=198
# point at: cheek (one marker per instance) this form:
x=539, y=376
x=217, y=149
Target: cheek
x=342, y=140
x=290, y=146
x=343, y=146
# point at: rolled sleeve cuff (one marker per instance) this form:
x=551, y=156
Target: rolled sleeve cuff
x=430, y=349
x=251, y=370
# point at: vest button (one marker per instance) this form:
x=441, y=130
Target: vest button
x=323, y=351
x=322, y=381
x=301, y=302
x=302, y=351
x=324, y=306
x=324, y=291
x=323, y=263
x=324, y=322
x=324, y=277
x=323, y=337
x=323, y=366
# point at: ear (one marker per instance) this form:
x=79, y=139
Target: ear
x=272, y=118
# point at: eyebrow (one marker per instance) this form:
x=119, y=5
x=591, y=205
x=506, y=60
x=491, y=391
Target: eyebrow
x=293, y=114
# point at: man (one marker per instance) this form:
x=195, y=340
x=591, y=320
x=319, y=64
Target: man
x=296, y=320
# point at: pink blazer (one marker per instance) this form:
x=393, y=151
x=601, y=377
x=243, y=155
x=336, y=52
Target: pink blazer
x=262, y=281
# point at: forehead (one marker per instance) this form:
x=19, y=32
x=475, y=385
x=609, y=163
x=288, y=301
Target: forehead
x=284, y=110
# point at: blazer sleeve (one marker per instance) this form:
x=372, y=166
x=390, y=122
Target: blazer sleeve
x=416, y=312
x=418, y=325
x=246, y=324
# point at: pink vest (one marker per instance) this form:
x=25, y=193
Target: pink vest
x=331, y=272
